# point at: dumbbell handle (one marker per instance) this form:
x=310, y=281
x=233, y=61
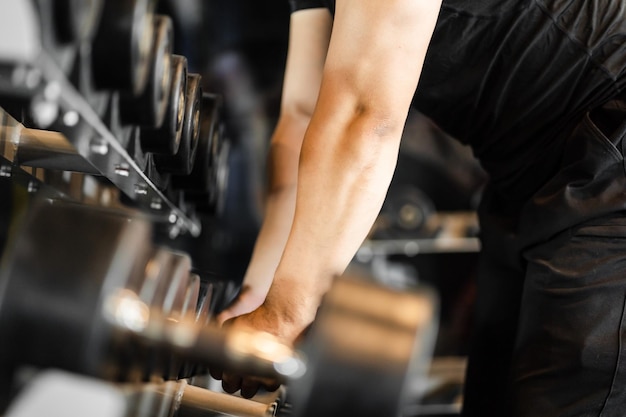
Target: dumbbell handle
x=198, y=402
x=238, y=350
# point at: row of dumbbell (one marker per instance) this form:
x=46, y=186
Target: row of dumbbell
x=117, y=307
x=105, y=302
x=156, y=107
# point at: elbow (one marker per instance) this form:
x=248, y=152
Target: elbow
x=376, y=123
x=380, y=125
x=361, y=142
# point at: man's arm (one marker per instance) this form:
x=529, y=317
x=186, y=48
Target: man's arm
x=349, y=153
x=309, y=36
x=350, y=149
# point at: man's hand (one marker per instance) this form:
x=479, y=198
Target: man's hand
x=248, y=300
x=268, y=319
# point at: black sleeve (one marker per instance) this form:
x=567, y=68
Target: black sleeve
x=305, y=4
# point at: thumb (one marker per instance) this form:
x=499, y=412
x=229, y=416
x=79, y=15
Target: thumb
x=245, y=303
x=236, y=309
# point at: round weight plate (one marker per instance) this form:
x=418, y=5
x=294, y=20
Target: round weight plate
x=213, y=201
x=408, y=213
x=191, y=297
x=56, y=284
x=203, y=318
x=182, y=162
x=148, y=109
x=205, y=300
x=173, y=306
x=156, y=278
x=189, y=314
x=122, y=46
x=153, y=292
x=366, y=351
x=177, y=284
x=221, y=171
x=200, y=180
x=77, y=20
x=166, y=139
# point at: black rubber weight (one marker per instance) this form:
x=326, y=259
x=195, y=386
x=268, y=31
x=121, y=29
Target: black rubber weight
x=77, y=20
x=182, y=162
x=200, y=181
x=166, y=139
x=122, y=45
x=148, y=109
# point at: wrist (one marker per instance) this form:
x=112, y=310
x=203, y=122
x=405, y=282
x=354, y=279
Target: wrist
x=293, y=302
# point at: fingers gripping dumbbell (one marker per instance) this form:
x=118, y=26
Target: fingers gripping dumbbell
x=366, y=355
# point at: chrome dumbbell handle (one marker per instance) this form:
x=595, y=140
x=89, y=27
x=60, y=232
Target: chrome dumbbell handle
x=198, y=402
x=240, y=350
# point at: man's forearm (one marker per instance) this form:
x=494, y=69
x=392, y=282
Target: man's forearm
x=280, y=201
x=345, y=170
x=372, y=69
x=279, y=209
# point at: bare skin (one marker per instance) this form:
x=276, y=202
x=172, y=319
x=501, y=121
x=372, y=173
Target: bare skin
x=347, y=91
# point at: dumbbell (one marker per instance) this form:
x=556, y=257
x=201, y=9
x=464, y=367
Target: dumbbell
x=164, y=288
x=75, y=301
x=149, y=108
x=122, y=45
x=366, y=354
x=190, y=310
x=170, y=290
x=204, y=310
x=171, y=304
x=77, y=20
x=211, y=200
x=167, y=138
x=181, y=163
x=407, y=213
x=220, y=179
x=101, y=297
x=200, y=186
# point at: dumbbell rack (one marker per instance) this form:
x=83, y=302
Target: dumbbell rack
x=46, y=84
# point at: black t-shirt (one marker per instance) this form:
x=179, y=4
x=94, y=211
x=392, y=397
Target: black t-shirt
x=311, y=4
x=512, y=77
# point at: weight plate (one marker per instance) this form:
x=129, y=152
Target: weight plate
x=408, y=213
x=366, y=352
x=166, y=139
x=173, y=306
x=156, y=278
x=212, y=202
x=122, y=45
x=205, y=301
x=77, y=20
x=189, y=313
x=148, y=109
x=182, y=162
x=201, y=178
x=191, y=297
x=55, y=285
